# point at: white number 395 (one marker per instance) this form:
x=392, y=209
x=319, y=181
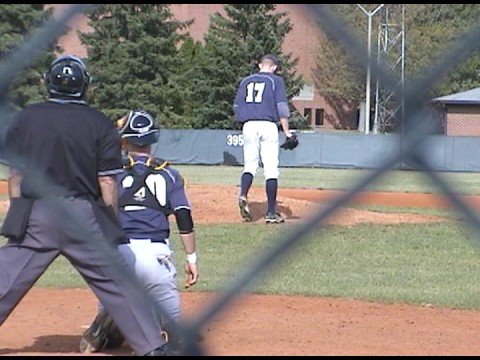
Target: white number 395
x=235, y=140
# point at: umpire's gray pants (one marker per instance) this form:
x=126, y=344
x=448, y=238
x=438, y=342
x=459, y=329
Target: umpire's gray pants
x=69, y=227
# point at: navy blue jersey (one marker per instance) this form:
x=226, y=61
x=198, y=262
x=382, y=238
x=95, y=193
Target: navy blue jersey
x=257, y=97
x=164, y=186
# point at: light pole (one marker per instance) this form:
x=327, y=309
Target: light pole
x=369, y=41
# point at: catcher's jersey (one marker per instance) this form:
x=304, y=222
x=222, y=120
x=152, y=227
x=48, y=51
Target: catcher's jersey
x=144, y=214
x=257, y=97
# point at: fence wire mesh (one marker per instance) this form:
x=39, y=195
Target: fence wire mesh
x=414, y=147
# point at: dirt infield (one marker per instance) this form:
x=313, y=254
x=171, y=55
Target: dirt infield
x=49, y=322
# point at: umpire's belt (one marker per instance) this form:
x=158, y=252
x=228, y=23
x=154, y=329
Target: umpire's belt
x=68, y=197
x=128, y=241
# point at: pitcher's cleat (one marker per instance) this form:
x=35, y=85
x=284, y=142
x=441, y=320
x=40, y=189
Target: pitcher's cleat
x=244, y=209
x=273, y=218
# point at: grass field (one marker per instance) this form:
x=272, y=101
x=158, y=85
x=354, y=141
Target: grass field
x=336, y=179
x=431, y=263
x=414, y=263
x=331, y=179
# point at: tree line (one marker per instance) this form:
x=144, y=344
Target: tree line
x=430, y=30
x=140, y=56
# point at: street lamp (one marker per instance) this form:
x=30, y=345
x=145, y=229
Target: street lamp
x=369, y=41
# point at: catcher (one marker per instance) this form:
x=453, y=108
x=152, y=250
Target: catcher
x=150, y=190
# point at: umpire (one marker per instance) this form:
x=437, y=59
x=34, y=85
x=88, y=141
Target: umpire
x=63, y=156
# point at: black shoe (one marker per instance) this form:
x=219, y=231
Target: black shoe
x=163, y=350
x=274, y=218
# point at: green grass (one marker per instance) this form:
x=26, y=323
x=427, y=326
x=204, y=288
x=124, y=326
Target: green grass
x=434, y=263
x=335, y=179
x=331, y=179
x=413, y=263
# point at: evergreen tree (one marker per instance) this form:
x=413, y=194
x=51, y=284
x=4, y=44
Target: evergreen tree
x=193, y=57
x=18, y=22
x=233, y=46
x=133, y=58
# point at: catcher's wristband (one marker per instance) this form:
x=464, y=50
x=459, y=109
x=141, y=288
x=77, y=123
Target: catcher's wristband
x=192, y=258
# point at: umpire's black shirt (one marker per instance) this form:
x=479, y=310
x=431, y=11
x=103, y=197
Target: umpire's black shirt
x=61, y=147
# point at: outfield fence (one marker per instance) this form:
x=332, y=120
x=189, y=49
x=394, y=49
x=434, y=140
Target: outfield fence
x=415, y=149
x=322, y=150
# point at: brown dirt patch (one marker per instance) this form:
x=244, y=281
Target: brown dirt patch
x=49, y=322
x=219, y=204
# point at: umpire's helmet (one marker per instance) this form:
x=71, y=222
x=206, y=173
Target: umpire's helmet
x=139, y=128
x=67, y=77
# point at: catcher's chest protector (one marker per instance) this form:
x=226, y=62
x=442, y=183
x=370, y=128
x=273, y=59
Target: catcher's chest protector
x=139, y=193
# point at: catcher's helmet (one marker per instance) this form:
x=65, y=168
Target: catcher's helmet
x=139, y=128
x=67, y=77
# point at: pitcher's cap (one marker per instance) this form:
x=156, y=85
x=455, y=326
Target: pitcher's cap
x=270, y=57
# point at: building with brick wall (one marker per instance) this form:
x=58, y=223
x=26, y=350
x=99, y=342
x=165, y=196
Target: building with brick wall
x=460, y=113
x=302, y=42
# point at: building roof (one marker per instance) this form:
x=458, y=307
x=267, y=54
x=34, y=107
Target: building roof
x=469, y=97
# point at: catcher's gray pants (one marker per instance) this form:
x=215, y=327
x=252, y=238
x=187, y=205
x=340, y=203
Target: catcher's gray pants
x=69, y=227
x=154, y=266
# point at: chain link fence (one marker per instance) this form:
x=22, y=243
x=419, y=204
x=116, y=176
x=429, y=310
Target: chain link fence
x=414, y=135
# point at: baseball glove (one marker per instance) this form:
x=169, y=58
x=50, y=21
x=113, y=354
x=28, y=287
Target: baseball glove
x=102, y=334
x=290, y=142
